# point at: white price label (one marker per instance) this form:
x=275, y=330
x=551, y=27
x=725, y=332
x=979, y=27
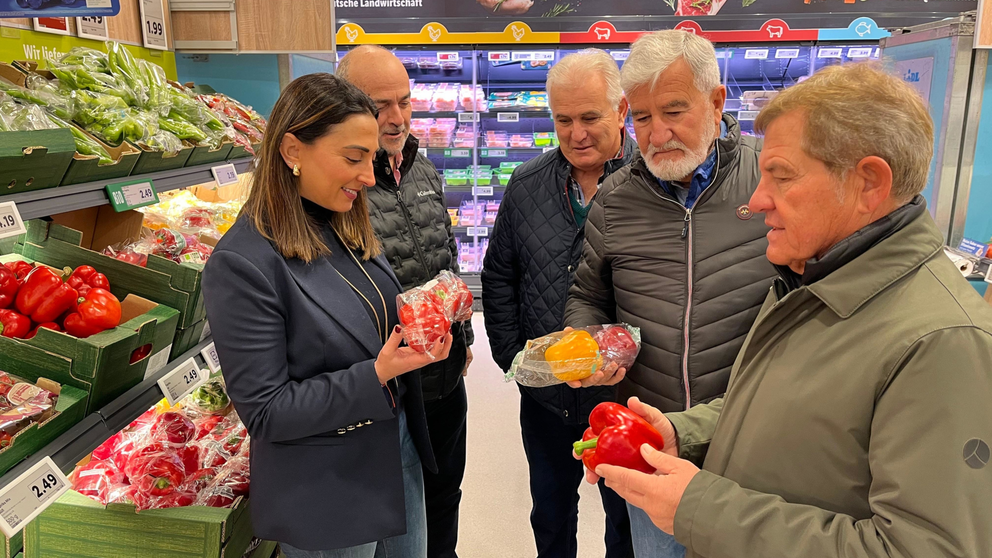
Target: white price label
x=787, y=53
x=99, y=4
x=423, y=151
x=468, y=117
x=508, y=117
x=483, y=190
x=756, y=54
x=209, y=354
x=494, y=153
x=138, y=194
x=830, y=53
x=182, y=381
x=477, y=231
x=153, y=24
x=533, y=56
x=29, y=495
x=92, y=27
x=206, y=332
x=620, y=55
x=499, y=56
x=225, y=175
x=447, y=57
x=864, y=52
x=158, y=361
x=747, y=115
x=459, y=153
x=10, y=220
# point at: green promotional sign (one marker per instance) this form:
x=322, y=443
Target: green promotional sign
x=131, y=195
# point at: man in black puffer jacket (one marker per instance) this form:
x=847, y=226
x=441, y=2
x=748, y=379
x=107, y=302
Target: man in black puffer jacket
x=529, y=266
x=410, y=217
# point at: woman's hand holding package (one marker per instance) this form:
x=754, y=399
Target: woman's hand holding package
x=394, y=360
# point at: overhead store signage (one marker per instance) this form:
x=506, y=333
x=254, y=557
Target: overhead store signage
x=604, y=32
x=58, y=8
x=57, y=25
x=153, y=24
x=29, y=495
x=92, y=27
x=131, y=195
x=11, y=223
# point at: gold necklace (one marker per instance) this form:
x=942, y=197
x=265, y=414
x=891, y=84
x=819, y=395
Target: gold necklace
x=380, y=326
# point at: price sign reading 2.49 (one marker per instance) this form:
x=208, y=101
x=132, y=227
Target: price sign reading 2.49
x=182, y=380
x=29, y=494
x=131, y=195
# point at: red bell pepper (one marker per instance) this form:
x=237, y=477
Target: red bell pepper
x=174, y=429
x=424, y=324
x=47, y=325
x=615, y=436
x=21, y=269
x=8, y=287
x=98, y=310
x=13, y=324
x=85, y=278
x=160, y=476
x=44, y=296
x=200, y=479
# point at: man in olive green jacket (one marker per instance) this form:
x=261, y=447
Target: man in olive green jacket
x=858, y=418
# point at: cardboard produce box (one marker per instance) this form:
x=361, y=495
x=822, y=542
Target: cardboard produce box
x=111, y=362
x=162, y=281
x=188, y=337
x=203, y=155
x=34, y=160
x=239, y=152
x=155, y=161
x=78, y=527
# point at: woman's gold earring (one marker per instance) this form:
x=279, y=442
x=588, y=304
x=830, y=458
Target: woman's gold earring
x=296, y=170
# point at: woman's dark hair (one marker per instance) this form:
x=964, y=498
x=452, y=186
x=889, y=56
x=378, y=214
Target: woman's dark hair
x=308, y=108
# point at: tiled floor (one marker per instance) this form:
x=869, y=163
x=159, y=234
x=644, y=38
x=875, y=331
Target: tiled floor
x=496, y=503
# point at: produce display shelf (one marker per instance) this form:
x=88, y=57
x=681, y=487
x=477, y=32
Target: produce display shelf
x=69, y=448
x=51, y=201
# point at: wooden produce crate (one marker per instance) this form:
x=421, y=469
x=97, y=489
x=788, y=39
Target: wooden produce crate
x=34, y=160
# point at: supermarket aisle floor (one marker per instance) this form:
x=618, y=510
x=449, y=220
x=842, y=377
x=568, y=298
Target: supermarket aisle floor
x=495, y=512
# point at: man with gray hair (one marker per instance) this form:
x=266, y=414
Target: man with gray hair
x=670, y=244
x=532, y=258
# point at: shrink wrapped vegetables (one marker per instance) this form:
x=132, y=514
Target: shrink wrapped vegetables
x=16, y=117
x=427, y=312
x=56, y=104
x=182, y=129
x=575, y=355
x=84, y=144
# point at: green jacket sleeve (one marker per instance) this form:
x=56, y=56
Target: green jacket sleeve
x=694, y=429
x=590, y=299
x=927, y=498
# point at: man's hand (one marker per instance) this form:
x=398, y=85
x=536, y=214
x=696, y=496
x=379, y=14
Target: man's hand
x=658, y=494
x=655, y=418
x=468, y=360
x=610, y=375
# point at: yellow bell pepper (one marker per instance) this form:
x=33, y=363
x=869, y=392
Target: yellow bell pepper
x=574, y=357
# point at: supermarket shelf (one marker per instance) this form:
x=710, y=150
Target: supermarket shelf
x=492, y=113
x=69, y=448
x=50, y=201
x=510, y=151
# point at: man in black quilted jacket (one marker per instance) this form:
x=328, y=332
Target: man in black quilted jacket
x=671, y=246
x=529, y=266
x=410, y=217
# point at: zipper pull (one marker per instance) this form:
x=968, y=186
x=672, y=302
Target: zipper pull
x=685, y=225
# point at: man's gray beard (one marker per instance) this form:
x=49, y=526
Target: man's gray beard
x=671, y=171
x=392, y=152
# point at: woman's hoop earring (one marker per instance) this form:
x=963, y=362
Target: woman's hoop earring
x=296, y=170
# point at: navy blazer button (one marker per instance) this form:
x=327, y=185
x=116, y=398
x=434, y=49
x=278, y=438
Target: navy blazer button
x=368, y=421
x=351, y=427
x=341, y=430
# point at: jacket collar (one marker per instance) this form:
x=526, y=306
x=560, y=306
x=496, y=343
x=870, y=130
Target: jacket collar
x=848, y=288
x=727, y=148
x=383, y=166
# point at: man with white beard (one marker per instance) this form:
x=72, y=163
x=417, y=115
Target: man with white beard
x=670, y=244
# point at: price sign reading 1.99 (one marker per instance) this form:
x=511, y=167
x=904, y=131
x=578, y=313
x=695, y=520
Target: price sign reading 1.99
x=153, y=24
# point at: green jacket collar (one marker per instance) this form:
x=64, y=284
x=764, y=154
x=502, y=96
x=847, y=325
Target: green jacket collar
x=847, y=289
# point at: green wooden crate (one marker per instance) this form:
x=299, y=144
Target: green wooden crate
x=102, y=364
x=155, y=161
x=202, y=155
x=162, y=281
x=34, y=160
x=14, y=545
x=88, y=169
x=187, y=338
x=78, y=527
x=239, y=152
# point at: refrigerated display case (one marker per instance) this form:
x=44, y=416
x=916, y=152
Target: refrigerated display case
x=480, y=113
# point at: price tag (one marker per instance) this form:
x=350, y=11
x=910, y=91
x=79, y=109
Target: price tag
x=422, y=151
x=756, y=54
x=447, y=57
x=747, y=114
x=209, y=354
x=182, y=380
x=29, y=495
x=787, y=53
x=153, y=24
x=225, y=175
x=468, y=117
x=508, y=117
x=477, y=231
x=10, y=220
x=483, y=190
x=494, y=153
x=499, y=56
x=620, y=55
x=864, y=52
x=457, y=153
x=130, y=195
x=830, y=53
x=206, y=332
x=158, y=361
x=92, y=27
x=533, y=56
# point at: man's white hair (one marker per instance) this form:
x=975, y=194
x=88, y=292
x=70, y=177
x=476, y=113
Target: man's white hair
x=578, y=66
x=652, y=54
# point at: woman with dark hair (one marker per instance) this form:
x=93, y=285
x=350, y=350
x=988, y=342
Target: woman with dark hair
x=303, y=312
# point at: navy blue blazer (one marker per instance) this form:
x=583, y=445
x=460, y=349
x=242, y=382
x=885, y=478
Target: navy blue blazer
x=298, y=351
